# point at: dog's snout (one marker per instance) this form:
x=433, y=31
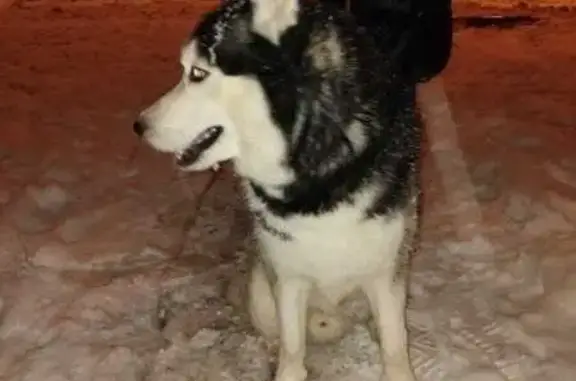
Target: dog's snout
x=139, y=127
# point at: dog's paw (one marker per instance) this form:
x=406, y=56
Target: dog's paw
x=261, y=304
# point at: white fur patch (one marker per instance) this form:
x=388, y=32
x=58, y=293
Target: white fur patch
x=273, y=17
x=262, y=146
x=338, y=249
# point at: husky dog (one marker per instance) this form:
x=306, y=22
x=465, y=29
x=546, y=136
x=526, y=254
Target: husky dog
x=324, y=135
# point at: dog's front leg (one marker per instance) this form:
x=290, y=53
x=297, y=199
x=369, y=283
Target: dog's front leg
x=388, y=301
x=292, y=300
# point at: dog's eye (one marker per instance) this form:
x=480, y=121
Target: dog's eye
x=197, y=74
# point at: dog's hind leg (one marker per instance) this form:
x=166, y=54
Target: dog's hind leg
x=292, y=298
x=387, y=298
x=323, y=327
x=261, y=304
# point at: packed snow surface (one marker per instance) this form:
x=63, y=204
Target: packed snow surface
x=106, y=275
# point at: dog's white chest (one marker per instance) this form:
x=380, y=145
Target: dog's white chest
x=336, y=249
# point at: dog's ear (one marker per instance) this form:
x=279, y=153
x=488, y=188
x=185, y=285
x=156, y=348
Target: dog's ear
x=272, y=17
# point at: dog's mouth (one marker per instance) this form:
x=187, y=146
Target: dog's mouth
x=198, y=146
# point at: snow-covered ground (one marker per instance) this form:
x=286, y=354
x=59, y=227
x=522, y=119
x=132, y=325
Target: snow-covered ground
x=99, y=282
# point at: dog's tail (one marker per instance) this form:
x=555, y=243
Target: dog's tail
x=323, y=326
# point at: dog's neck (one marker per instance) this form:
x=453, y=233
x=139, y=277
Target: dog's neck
x=257, y=167
x=262, y=150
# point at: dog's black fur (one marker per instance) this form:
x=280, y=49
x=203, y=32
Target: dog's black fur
x=328, y=171
x=424, y=26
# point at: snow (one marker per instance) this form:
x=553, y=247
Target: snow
x=38, y=208
x=100, y=281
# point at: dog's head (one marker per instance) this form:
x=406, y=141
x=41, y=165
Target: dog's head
x=199, y=119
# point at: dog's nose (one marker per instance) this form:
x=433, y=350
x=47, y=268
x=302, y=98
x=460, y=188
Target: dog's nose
x=139, y=127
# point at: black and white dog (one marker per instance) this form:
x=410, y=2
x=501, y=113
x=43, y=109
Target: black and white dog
x=323, y=132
